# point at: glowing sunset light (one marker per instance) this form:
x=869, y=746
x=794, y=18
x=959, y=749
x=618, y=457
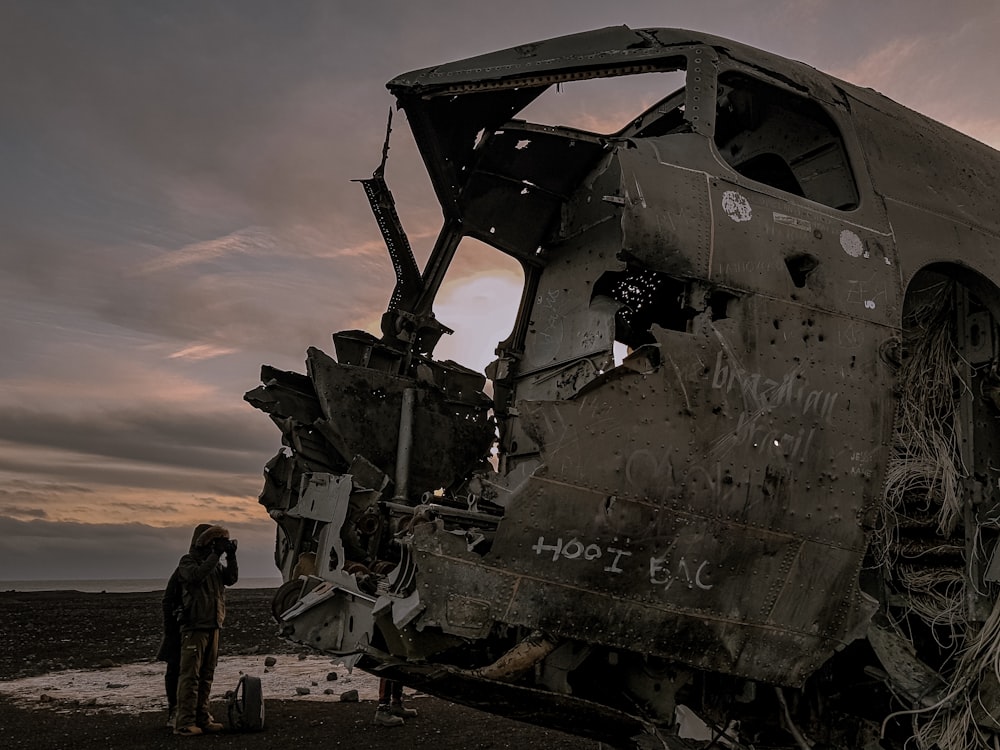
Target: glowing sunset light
x=177, y=208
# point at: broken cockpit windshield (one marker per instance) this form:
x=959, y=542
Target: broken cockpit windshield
x=772, y=136
x=606, y=106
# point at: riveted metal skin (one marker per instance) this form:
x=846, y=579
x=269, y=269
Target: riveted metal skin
x=696, y=533
x=688, y=511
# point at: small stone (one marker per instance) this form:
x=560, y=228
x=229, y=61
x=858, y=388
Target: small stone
x=106, y=663
x=331, y=676
x=302, y=656
x=270, y=661
x=351, y=696
x=302, y=690
x=329, y=691
x=314, y=683
x=45, y=698
x=116, y=685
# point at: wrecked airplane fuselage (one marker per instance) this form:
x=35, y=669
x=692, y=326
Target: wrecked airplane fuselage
x=771, y=523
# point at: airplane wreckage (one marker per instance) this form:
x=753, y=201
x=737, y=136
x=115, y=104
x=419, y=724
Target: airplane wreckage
x=774, y=522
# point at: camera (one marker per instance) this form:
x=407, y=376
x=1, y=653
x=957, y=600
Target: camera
x=222, y=544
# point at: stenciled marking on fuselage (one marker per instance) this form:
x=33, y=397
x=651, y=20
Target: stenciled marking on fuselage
x=744, y=266
x=793, y=222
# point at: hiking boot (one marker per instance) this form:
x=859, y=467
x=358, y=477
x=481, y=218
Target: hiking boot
x=385, y=718
x=398, y=709
x=190, y=731
x=171, y=714
x=210, y=726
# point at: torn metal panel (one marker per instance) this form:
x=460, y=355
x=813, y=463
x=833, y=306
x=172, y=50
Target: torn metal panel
x=361, y=410
x=667, y=221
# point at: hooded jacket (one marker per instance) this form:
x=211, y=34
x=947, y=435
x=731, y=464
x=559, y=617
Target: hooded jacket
x=203, y=581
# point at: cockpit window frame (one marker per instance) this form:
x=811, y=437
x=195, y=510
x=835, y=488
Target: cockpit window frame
x=685, y=98
x=840, y=126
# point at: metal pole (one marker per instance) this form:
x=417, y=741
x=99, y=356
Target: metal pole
x=404, y=444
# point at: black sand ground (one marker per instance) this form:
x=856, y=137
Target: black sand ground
x=44, y=632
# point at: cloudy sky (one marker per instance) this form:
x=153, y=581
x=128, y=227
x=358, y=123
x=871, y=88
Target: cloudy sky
x=176, y=209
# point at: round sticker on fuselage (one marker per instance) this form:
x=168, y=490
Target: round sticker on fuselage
x=736, y=206
x=852, y=244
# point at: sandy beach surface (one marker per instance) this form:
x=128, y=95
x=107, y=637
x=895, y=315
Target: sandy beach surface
x=77, y=671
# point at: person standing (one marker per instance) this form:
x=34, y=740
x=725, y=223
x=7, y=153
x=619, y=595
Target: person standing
x=203, y=577
x=170, y=645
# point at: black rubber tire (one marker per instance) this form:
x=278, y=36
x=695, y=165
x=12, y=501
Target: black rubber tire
x=283, y=599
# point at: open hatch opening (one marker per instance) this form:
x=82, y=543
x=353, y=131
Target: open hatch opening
x=602, y=105
x=479, y=299
x=645, y=298
x=789, y=142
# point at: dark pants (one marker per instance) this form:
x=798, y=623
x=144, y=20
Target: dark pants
x=389, y=690
x=199, y=655
x=170, y=652
x=170, y=678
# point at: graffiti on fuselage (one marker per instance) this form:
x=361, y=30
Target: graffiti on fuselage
x=766, y=394
x=664, y=568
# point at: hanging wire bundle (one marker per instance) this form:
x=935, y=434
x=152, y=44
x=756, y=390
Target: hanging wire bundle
x=926, y=466
x=956, y=721
x=920, y=538
x=938, y=597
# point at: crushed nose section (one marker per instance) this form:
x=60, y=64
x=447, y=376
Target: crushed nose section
x=362, y=445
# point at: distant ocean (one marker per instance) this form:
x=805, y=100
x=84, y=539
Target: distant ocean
x=121, y=586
